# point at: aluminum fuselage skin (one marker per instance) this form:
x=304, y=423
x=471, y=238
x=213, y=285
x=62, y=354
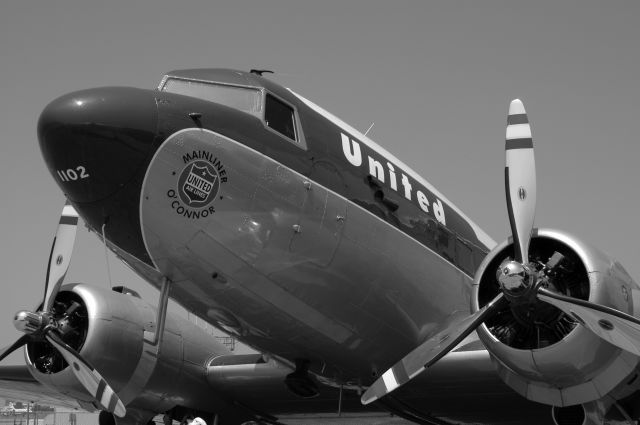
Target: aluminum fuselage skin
x=305, y=251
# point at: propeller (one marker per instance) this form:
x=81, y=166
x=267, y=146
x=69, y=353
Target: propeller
x=43, y=324
x=429, y=352
x=520, y=179
x=521, y=282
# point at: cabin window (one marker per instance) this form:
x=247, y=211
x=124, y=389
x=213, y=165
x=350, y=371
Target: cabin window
x=280, y=117
x=243, y=98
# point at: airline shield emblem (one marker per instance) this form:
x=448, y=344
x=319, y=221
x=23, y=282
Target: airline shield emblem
x=198, y=184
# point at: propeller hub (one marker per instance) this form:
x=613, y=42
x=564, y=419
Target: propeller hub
x=515, y=279
x=28, y=322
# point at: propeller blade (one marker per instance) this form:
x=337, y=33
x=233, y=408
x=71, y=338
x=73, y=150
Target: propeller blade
x=13, y=347
x=428, y=353
x=60, y=256
x=89, y=377
x=614, y=326
x=520, y=179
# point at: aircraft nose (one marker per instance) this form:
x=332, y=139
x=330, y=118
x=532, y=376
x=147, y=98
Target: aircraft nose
x=95, y=141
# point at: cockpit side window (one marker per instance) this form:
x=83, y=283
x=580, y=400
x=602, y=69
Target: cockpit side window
x=246, y=99
x=280, y=117
x=276, y=115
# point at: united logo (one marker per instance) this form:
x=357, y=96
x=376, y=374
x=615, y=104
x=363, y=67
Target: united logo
x=198, y=184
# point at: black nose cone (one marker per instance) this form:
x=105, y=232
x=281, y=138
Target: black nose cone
x=94, y=141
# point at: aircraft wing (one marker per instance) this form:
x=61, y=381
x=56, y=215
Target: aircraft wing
x=16, y=383
x=449, y=392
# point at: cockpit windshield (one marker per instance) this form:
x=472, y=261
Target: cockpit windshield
x=243, y=98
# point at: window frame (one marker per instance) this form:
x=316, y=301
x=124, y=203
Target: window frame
x=260, y=90
x=299, y=142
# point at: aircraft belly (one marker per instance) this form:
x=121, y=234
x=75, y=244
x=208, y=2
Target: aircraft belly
x=285, y=264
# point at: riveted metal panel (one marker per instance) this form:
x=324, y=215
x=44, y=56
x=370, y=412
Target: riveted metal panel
x=275, y=259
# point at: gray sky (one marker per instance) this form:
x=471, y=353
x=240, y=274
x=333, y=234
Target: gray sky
x=435, y=77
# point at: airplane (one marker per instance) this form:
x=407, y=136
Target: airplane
x=272, y=219
x=12, y=410
x=20, y=411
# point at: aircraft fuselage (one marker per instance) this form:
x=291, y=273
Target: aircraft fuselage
x=273, y=219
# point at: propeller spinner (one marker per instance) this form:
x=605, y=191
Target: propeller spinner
x=43, y=324
x=520, y=282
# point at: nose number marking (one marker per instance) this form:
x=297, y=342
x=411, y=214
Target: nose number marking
x=73, y=174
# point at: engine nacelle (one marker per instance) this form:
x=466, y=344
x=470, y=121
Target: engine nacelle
x=112, y=331
x=545, y=354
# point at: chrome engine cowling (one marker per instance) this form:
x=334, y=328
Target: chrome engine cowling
x=113, y=331
x=543, y=353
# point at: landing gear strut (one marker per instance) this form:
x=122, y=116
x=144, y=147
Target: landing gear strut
x=299, y=382
x=106, y=418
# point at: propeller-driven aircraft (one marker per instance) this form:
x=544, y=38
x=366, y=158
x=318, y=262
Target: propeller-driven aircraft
x=270, y=218
x=11, y=409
